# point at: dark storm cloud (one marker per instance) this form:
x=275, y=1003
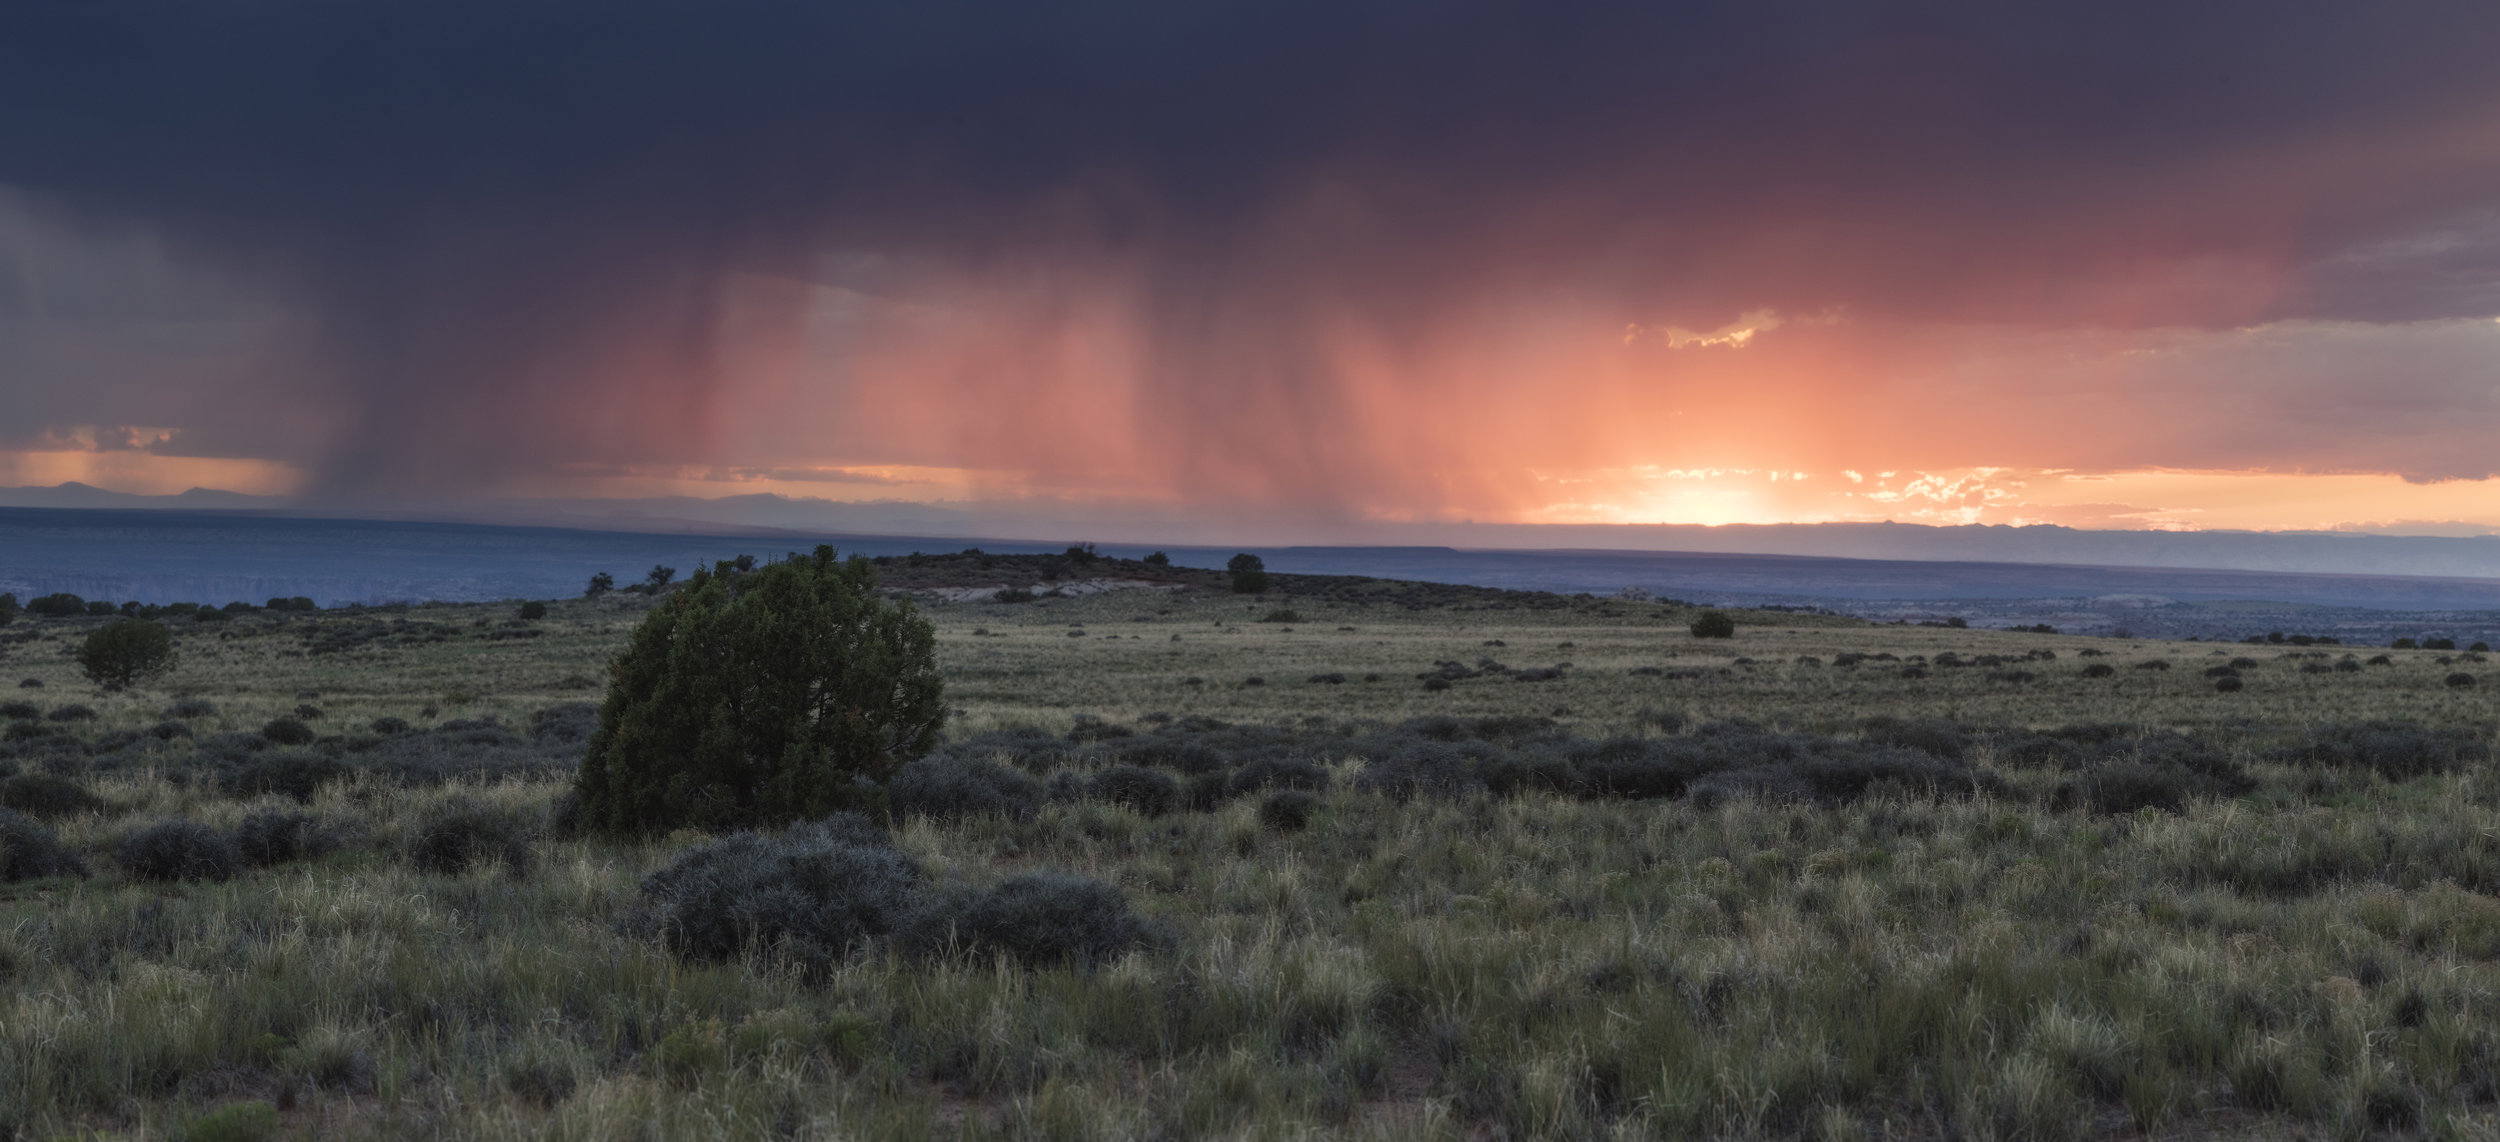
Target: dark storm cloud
x=510, y=221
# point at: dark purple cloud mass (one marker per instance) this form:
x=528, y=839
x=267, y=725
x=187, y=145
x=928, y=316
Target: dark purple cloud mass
x=492, y=239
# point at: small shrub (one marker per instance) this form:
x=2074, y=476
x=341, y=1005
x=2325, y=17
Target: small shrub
x=1941, y=738
x=1151, y=793
x=30, y=851
x=1157, y=559
x=1248, y=574
x=1714, y=624
x=273, y=836
x=179, y=850
x=2099, y=670
x=463, y=836
x=1266, y=773
x=1282, y=615
x=1036, y=918
x=20, y=711
x=533, y=611
x=1288, y=810
x=388, y=726
x=59, y=605
x=811, y=895
x=170, y=729
x=192, y=708
x=287, y=731
x=2396, y=751
x=1013, y=595
x=45, y=795
x=2228, y=684
x=2458, y=681
x=292, y=773
x=72, y=714
x=118, y=654
x=951, y=787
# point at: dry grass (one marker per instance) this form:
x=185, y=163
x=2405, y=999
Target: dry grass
x=2320, y=958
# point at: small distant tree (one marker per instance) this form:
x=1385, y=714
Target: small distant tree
x=118, y=654
x=761, y=699
x=8, y=608
x=533, y=611
x=1081, y=553
x=1249, y=573
x=60, y=604
x=1159, y=559
x=743, y=563
x=660, y=577
x=1714, y=624
x=600, y=584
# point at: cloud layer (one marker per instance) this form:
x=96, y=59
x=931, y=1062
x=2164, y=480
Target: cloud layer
x=1368, y=258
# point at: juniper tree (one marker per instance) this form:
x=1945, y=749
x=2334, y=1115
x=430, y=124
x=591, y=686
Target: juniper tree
x=780, y=695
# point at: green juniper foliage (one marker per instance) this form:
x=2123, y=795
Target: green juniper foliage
x=121, y=653
x=762, y=698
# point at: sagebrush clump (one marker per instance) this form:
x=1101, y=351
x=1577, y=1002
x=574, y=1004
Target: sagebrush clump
x=179, y=850
x=1038, y=918
x=949, y=786
x=812, y=894
x=464, y=836
x=31, y=851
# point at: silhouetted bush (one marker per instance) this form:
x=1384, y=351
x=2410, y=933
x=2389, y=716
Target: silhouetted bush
x=776, y=695
x=2458, y=681
x=533, y=611
x=72, y=713
x=30, y=851
x=2099, y=670
x=1150, y=792
x=1037, y=918
x=812, y=894
x=272, y=836
x=20, y=711
x=287, y=731
x=118, y=654
x=2395, y=750
x=169, y=730
x=1158, y=559
x=463, y=836
x=193, y=708
x=1288, y=810
x=1248, y=574
x=45, y=795
x=60, y=605
x=950, y=786
x=179, y=850
x=2228, y=684
x=1714, y=624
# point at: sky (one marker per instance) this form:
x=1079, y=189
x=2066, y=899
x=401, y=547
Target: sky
x=2116, y=264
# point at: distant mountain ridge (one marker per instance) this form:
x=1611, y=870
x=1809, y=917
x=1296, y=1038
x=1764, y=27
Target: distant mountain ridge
x=1045, y=522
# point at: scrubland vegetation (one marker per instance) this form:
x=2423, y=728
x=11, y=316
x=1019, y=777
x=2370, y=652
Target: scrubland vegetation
x=1343, y=859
